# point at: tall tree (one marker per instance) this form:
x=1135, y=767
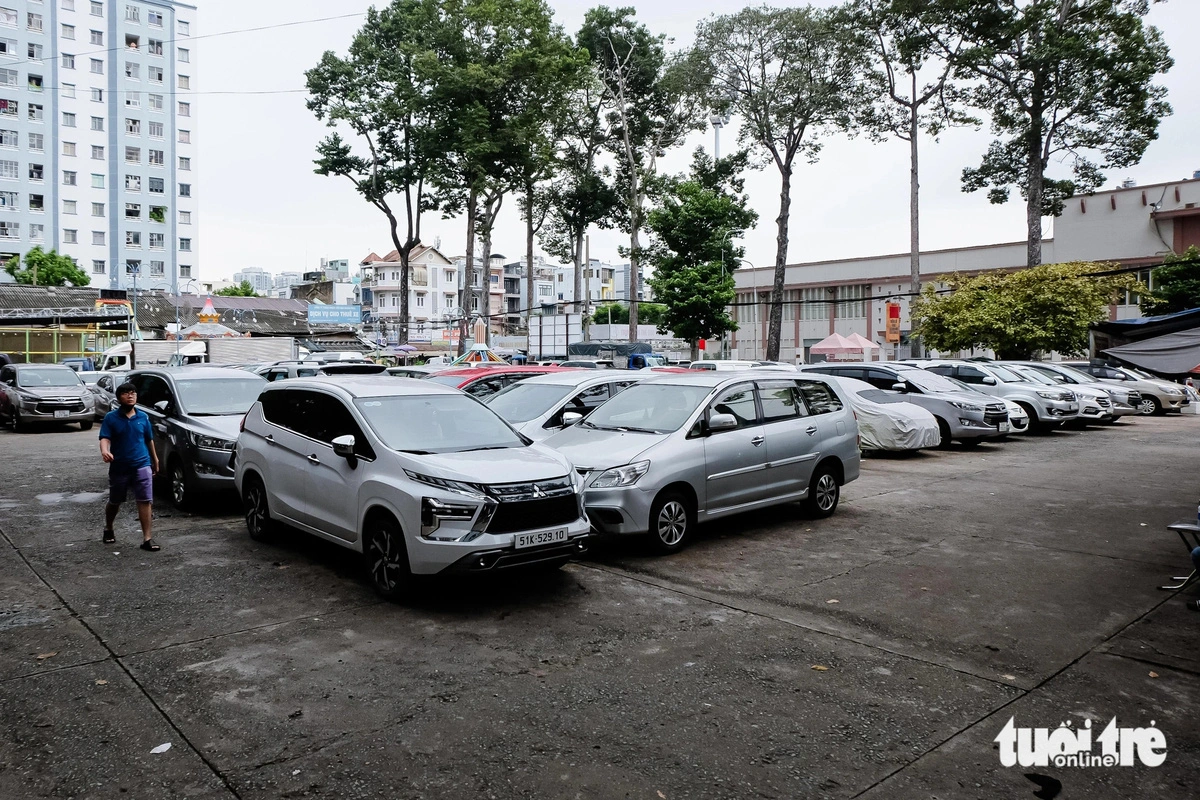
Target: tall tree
x=692, y=251
x=792, y=75
x=1176, y=284
x=243, y=289
x=1065, y=80
x=44, y=268
x=380, y=92
x=654, y=105
x=914, y=94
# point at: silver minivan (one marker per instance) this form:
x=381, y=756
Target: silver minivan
x=675, y=450
x=545, y=404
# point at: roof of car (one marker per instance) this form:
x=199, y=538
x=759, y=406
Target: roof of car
x=380, y=385
x=191, y=373
x=578, y=377
x=468, y=374
x=713, y=377
x=41, y=366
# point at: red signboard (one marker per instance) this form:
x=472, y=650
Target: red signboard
x=893, y=322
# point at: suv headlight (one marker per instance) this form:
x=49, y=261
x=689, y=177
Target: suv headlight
x=1050, y=395
x=965, y=406
x=211, y=442
x=1171, y=391
x=458, y=487
x=621, y=476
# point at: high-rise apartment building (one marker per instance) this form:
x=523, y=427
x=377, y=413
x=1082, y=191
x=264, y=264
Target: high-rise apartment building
x=258, y=278
x=96, y=136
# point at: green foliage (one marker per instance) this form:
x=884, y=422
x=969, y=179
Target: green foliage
x=692, y=249
x=244, y=289
x=46, y=269
x=618, y=313
x=1176, y=284
x=1017, y=314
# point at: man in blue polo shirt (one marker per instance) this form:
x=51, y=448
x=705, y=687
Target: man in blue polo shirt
x=127, y=446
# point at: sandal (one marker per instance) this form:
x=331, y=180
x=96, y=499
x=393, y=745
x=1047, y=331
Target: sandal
x=110, y=537
x=150, y=545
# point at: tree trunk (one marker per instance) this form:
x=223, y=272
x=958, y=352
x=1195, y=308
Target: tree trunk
x=578, y=307
x=529, y=305
x=403, y=249
x=914, y=211
x=633, y=281
x=1034, y=176
x=491, y=210
x=468, y=286
x=775, y=326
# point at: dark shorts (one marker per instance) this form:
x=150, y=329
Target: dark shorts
x=120, y=481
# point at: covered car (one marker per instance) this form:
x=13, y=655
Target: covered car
x=887, y=421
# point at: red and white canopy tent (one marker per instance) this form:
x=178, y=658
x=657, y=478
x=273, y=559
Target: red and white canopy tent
x=837, y=345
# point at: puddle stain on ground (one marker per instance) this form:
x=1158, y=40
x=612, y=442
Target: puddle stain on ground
x=53, y=498
x=21, y=619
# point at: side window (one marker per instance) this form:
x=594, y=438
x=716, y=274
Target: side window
x=970, y=375
x=305, y=372
x=941, y=370
x=278, y=407
x=738, y=401
x=277, y=374
x=487, y=386
x=820, y=398
x=780, y=400
x=589, y=398
x=882, y=379
x=7, y=375
x=619, y=386
x=336, y=420
x=151, y=389
x=105, y=383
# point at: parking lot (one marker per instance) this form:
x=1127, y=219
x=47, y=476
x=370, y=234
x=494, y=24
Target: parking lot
x=877, y=653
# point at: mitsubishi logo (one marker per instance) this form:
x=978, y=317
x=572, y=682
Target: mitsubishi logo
x=537, y=491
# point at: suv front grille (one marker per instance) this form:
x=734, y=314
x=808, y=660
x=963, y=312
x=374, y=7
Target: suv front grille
x=531, y=514
x=60, y=404
x=1104, y=402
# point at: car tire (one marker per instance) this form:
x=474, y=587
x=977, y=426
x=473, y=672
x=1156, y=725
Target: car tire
x=1149, y=406
x=86, y=426
x=672, y=518
x=824, y=492
x=259, y=524
x=385, y=557
x=971, y=443
x=944, y=432
x=179, y=486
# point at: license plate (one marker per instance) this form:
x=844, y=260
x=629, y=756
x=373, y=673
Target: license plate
x=62, y=413
x=524, y=540
x=1003, y=427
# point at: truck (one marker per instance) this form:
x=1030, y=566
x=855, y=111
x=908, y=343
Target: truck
x=622, y=355
x=153, y=352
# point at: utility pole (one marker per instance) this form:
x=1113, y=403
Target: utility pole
x=586, y=308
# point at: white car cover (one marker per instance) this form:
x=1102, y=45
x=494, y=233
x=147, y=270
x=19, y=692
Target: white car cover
x=891, y=424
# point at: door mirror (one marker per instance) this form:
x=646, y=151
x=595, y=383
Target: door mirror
x=988, y=380
x=569, y=418
x=722, y=422
x=162, y=405
x=900, y=387
x=344, y=446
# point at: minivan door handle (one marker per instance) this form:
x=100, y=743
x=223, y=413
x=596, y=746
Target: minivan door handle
x=811, y=430
x=312, y=458
x=269, y=438
x=757, y=440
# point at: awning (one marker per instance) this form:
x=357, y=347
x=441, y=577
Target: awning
x=835, y=344
x=1172, y=354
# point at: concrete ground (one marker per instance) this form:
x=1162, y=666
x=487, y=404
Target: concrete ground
x=877, y=653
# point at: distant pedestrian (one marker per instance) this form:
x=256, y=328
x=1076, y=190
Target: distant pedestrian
x=127, y=446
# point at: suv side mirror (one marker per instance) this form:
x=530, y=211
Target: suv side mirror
x=569, y=418
x=722, y=422
x=344, y=446
x=162, y=406
x=988, y=380
x=900, y=387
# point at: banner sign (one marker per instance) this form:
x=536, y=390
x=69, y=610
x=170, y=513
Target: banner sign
x=893, y=323
x=334, y=315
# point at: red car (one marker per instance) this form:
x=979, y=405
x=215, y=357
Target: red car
x=484, y=381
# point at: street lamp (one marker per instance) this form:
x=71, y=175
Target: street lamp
x=718, y=121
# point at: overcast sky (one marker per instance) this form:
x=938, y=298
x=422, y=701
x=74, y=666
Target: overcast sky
x=262, y=205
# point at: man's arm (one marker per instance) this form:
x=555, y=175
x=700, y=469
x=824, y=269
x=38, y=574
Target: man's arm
x=106, y=450
x=153, y=458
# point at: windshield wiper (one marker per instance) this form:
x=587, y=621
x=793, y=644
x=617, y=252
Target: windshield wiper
x=621, y=428
x=485, y=447
x=418, y=452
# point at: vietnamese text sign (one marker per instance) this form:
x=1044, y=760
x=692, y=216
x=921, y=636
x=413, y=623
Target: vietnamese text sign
x=334, y=315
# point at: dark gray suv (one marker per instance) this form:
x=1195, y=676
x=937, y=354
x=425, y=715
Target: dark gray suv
x=196, y=413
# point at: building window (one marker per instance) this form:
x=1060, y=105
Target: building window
x=155, y=130
x=70, y=178
x=185, y=270
x=34, y=51
x=156, y=158
x=156, y=186
x=98, y=152
x=157, y=267
x=133, y=266
x=98, y=267
x=68, y=5
x=98, y=210
x=133, y=239
x=70, y=207
x=10, y=169
x=156, y=102
x=97, y=66
x=185, y=190
x=185, y=163
x=36, y=84
x=97, y=8
x=68, y=31
x=10, y=230
x=8, y=17
x=133, y=155
x=97, y=180
x=133, y=14
x=68, y=61
x=70, y=236
x=97, y=95
x=185, y=28
x=67, y=91
x=185, y=109
x=133, y=211
x=154, y=47
x=133, y=183
x=35, y=112
x=97, y=123
x=132, y=41
x=97, y=37
x=9, y=201
x=98, y=237
x=157, y=241
x=9, y=138
x=154, y=19
x=9, y=77
x=185, y=56
x=133, y=99
x=133, y=71
x=35, y=172
x=185, y=218
x=34, y=22
x=185, y=82
x=68, y=120
x=185, y=245
x=133, y=127
x=158, y=214
x=185, y=137
x=154, y=74
x=37, y=142
x=68, y=148
x=8, y=108
x=37, y=231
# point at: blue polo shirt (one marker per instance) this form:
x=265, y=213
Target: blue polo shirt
x=128, y=439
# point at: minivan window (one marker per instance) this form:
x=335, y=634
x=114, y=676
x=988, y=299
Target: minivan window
x=1005, y=375
x=780, y=400
x=216, y=397
x=324, y=418
x=820, y=398
x=442, y=423
x=738, y=401
x=151, y=389
x=649, y=407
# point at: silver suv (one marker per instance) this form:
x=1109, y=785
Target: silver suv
x=961, y=415
x=1048, y=407
x=1125, y=401
x=418, y=477
x=41, y=393
x=674, y=450
x=545, y=404
x=1157, y=396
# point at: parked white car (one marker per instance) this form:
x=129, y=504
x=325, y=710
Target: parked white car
x=887, y=421
x=545, y=404
x=420, y=478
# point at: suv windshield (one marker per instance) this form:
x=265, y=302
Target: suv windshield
x=927, y=381
x=218, y=397
x=521, y=402
x=1034, y=375
x=1006, y=375
x=648, y=408
x=47, y=376
x=436, y=423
